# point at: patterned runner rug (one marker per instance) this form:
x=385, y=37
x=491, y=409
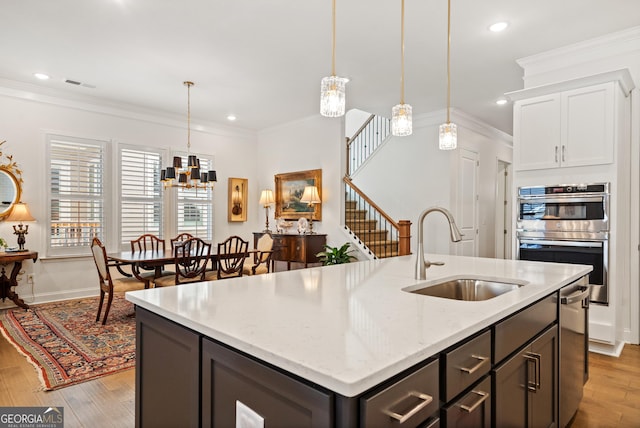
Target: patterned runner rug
x=66, y=345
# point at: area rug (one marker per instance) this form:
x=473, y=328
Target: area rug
x=66, y=345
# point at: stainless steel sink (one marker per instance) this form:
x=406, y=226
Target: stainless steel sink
x=469, y=289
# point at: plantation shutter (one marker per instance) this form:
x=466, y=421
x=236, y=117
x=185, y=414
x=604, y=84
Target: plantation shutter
x=195, y=213
x=76, y=196
x=141, y=194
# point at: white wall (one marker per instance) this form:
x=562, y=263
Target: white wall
x=26, y=116
x=314, y=142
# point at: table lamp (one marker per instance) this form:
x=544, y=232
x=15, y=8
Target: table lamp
x=20, y=212
x=266, y=199
x=311, y=197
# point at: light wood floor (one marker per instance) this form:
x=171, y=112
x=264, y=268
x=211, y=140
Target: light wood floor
x=611, y=396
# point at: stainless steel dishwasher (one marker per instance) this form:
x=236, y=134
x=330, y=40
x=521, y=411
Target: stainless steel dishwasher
x=574, y=347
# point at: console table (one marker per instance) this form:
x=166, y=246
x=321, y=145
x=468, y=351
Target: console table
x=7, y=282
x=294, y=248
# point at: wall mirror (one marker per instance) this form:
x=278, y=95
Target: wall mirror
x=10, y=183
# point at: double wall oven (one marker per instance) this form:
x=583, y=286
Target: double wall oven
x=567, y=224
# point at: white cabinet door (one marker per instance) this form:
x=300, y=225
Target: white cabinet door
x=588, y=125
x=536, y=126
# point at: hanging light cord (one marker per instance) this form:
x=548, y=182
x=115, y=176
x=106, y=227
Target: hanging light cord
x=448, y=59
x=333, y=41
x=402, y=54
x=188, y=85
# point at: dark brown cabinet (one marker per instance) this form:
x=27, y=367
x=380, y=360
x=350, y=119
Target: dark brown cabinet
x=229, y=378
x=526, y=385
x=184, y=378
x=295, y=248
x=167, y=373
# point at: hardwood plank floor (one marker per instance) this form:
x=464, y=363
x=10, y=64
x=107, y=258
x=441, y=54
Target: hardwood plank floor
x=611, y=396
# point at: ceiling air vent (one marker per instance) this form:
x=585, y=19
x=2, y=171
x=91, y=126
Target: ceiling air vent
x=72, y=82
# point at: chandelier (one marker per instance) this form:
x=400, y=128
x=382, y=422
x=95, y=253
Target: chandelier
x=401, y=113
x=332, y=88
x=448, y=132
x=189, y=177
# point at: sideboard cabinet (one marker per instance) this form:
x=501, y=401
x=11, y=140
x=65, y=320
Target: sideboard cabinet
x=295, y=248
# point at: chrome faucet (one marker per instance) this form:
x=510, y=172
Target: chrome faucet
x=421, y=263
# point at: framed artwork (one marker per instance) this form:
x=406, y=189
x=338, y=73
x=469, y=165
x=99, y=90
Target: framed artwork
x=238, y=197
x=289, y=190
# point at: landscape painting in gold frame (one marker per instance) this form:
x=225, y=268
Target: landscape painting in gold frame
x=238, y=198
x=289, y=189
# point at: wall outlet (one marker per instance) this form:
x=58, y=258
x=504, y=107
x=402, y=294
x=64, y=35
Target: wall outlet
x=246, y=417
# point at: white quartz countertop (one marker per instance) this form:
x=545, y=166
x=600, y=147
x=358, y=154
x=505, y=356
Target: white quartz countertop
x=350, y=327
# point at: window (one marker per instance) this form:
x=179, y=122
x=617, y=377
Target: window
x=76, y=193
x=140, y=194
x=194, y=208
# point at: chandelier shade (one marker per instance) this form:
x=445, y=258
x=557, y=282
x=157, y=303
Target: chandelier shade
x=189, y=177
x=333, y=88
x=448, y=132
x=401, y=117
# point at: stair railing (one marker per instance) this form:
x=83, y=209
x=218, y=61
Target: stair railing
x=398, y=241
x=373, y=132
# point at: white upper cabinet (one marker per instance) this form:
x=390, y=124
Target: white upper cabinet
x=555, y=128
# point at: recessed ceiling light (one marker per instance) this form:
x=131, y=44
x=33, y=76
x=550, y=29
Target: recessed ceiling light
x=231, y=117
x=41, y=76
x=498, y=26
x=501, y=101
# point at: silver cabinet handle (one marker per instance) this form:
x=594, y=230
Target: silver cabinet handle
x=426, y=400
x=556, y=154
x=536, y=359
x=483, y=396
x=481, y=361
x=563, y=153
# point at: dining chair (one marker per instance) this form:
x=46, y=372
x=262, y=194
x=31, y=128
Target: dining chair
x=261, y=262
x=231, y=255
x=109, y=285
x=190, y=260
x=180, y=238
x=147, y=242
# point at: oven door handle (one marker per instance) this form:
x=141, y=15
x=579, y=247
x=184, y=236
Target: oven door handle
x=596, y=244
x=560, y=200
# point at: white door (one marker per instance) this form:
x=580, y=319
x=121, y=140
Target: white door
x=467, y=216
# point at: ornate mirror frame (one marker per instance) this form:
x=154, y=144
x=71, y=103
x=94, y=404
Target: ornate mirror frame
x=9, y=168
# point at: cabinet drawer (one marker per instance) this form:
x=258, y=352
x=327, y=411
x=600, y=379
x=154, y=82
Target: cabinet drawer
x=518, y=329
x=466, y=364
x=471, y=410
x=409, y=401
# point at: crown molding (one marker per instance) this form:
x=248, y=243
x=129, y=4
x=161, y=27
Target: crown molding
x=462, y=119
x=34, y=93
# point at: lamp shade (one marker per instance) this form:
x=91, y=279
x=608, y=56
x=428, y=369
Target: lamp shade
x=266, y=197
x=20, y=212
x=310, y=195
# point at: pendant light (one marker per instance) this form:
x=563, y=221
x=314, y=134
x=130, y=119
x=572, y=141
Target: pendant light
x=332, y=88
x=448, y=132
x=401, y=113
x=189, y=177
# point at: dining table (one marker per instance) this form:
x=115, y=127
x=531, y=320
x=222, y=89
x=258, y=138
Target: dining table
x=154, y=260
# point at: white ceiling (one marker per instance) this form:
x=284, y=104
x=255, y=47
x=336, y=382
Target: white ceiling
x=262, y=60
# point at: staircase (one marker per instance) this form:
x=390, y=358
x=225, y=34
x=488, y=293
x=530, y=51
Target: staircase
x=367, y=231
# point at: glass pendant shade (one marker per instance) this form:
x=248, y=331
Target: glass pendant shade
x=448, y=136
x=401, y=122
x=332, y=96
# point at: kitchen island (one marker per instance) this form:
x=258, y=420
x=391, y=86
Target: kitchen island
x=345, y=332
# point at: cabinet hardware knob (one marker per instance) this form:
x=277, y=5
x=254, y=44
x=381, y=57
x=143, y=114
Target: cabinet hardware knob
x=483, y=396
x=481, y=361
x=425, y=401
